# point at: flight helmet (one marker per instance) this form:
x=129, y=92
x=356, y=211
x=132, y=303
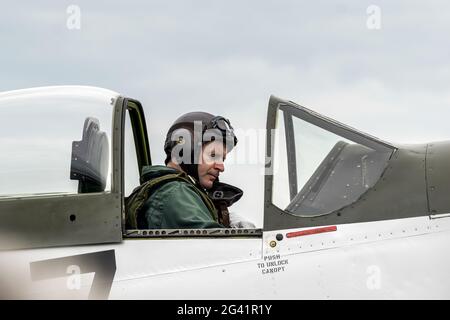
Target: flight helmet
x=190, y=132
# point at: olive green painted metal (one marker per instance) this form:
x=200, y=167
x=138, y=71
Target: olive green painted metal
x=400, y=192
x=59, y=220
x=118, y=179
x=291, y=154
x=139, y=128
x=117, y=144
x=438, y=177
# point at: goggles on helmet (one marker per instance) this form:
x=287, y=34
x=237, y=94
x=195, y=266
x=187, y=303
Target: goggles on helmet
x=224, y=126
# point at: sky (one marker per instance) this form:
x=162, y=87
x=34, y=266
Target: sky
x=228, y=57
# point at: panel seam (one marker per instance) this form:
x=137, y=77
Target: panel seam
x=426, y=180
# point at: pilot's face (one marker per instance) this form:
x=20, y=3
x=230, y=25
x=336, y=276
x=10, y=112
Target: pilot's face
x=213, y=156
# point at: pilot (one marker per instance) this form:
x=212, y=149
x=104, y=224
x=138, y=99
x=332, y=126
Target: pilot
x=177, y=195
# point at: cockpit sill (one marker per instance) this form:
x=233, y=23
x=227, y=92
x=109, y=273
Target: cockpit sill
x=195, y=233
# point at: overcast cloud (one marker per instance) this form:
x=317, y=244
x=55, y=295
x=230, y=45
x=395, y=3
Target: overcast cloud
x=228, y=57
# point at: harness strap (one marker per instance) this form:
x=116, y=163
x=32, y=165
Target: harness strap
x=137, y=199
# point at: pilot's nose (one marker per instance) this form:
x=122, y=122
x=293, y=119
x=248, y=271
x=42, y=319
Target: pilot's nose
x=219, y=166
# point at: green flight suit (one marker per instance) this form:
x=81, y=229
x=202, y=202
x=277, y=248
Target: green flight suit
x=175, y=204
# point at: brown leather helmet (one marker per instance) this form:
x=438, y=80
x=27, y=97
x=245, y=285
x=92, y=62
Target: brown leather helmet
x=192, y=121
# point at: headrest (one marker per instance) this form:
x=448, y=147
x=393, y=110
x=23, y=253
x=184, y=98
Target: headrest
x=90, y=158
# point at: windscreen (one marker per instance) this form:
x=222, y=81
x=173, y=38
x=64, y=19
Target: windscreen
x=317, y=171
